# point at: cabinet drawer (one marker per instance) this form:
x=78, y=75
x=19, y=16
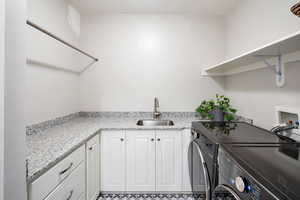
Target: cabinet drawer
x=41, y=187
x=73, y=188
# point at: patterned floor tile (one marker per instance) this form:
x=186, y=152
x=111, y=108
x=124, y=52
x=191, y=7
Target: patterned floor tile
x=150, y=196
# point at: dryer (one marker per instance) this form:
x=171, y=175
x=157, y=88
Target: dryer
x=204, y=149
x=203, y=165
x=268, y=171
x=235, y=183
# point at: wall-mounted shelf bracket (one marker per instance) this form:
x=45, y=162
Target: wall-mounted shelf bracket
x=278, y=67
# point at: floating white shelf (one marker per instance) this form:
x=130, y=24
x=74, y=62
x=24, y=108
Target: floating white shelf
x=285, y=50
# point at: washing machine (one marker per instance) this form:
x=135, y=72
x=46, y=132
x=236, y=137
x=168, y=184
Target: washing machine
x=241, y=179
x=204, y=165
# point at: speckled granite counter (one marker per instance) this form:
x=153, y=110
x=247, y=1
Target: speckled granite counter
x=50, y=142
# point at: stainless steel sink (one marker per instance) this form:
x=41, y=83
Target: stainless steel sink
x=154, y=122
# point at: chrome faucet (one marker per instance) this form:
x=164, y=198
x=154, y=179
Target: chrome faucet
x=156, y=113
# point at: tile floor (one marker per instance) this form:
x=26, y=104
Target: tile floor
x=110, y=196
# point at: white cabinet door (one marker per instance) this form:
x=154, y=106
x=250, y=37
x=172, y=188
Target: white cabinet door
x=186, y=140
x=168, y=160
x=140, y=160
x=113, y=154
x=93, y=168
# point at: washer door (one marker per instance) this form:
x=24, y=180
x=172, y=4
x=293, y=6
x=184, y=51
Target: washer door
x=199, y=173
x=223, y=192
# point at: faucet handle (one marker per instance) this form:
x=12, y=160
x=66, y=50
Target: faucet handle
x=156, y=113
x=156, y=102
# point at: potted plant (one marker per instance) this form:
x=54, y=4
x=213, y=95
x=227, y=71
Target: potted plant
x=217, y=110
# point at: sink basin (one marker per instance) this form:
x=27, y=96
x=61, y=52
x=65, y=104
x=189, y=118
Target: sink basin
x=153, y=122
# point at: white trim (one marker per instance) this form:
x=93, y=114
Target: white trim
x=2, y=22
x=14, y=100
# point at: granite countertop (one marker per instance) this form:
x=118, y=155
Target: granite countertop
x=50, y=142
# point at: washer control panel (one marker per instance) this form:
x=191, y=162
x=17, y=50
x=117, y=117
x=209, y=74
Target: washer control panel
x=245, y=186
x=241, y=184
x=232, y=175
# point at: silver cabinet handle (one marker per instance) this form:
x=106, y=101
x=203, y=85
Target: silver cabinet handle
x=158, y=139
x=91, y=148
x=70, y=195
x=152, y=139
x=65, y=170
x=122, y=139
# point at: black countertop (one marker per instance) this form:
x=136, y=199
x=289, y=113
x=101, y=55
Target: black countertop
x=234, y=133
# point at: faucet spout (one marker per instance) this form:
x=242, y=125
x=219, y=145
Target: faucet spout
x=156, y=113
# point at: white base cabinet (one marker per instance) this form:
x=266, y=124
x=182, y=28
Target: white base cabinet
x=133, y=160
x=72, y=188
x=76, y=177
x=168, y=161
x=140, y=161
x=186, y=140
x=113, y=156
x=57, y=175
x=93, y=168
x=144, y=160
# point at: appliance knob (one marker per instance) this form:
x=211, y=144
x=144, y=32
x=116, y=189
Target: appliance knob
x=241, y=184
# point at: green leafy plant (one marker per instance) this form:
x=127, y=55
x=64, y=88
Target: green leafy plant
x=221, y=102
x=225, y=128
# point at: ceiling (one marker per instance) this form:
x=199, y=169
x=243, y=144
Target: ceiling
x=205, y=7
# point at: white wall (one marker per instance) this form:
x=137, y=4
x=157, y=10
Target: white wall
x=252, y=24
x=255, y=93
x=2, y=21
x=143, y=56
x=255, y=23
x=15, y=96
x=51, y=93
